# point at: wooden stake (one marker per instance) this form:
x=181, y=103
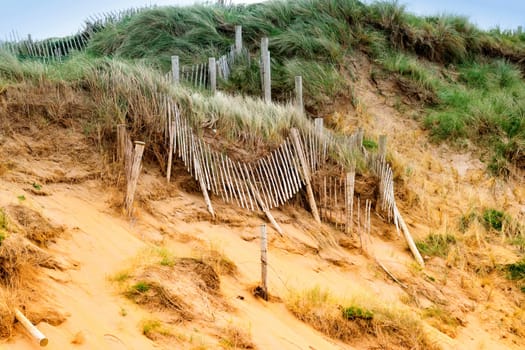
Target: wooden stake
x=277, y=179
x=272, y=190
x=299, y=93
x=266, y=71
x=264, y=262
x=306, y=173
x=245, y=179
x=170, y=151
x=175, y=72
x=238, y=40
x=259, y=182
x=350, y=183
x=359, y=221
x=35, y=332
x=296, y=178
x=121, y=142
x=233, y=176
x=200, y=177
x=134, y=177
x=212, y=67
x=408, y=237
x=224, y=178
x=264, y=50
x=265, y=209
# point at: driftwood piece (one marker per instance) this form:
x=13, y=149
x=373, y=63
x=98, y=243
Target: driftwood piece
x=33, y=331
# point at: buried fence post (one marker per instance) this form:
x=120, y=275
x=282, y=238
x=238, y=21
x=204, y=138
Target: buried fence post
x=134, y=176
x=306, y=173
x=264, y=262
x=35, y=332
x=175, y=69
x=238, y=40
x=212, y=67
x=299, y=93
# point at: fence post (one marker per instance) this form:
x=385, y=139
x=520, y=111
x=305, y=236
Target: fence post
x=382, y=147
x=306, y=173
x=267, y=79
x=264, y=262
x=266, y=71
x=350, y=183
x=121, y=142
x=175, y=69
x=134, y=177
x=238, y=39
x=212, y=67
x=299, y=93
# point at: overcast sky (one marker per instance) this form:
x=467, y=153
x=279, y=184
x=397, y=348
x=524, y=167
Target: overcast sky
x=49, y=18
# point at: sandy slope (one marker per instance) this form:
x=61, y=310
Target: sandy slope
x=101, y=243
x=436, y=186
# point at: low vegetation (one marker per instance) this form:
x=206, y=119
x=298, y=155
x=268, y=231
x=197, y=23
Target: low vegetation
x=436, y=245
x=389, y=327
x=470, y=80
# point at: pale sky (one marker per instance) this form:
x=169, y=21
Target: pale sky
x=51, y=18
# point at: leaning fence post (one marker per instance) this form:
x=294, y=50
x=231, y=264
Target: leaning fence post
x=238, y=39
x=299, y=93
x=134, y=177
x=264, y=262
x=212, y=67
x=306, y=173
x=175, y=69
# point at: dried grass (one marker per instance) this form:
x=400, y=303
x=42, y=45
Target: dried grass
x=234, y=337
x=19, y=284
x=187, y=288
x=388, y=326
x=34, y=226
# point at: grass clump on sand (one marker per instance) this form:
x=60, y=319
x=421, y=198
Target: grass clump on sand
x=155, y=329
x=516, y=272
x=390, y=327
x=233, y=337
x=436, y=245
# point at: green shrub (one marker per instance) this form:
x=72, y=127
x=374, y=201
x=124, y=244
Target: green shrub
x=436, y=244
x=370, y=144
x=3, y=219
x=494, y=218
x=516, y=271
x=354, y=312
x=140, y=287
